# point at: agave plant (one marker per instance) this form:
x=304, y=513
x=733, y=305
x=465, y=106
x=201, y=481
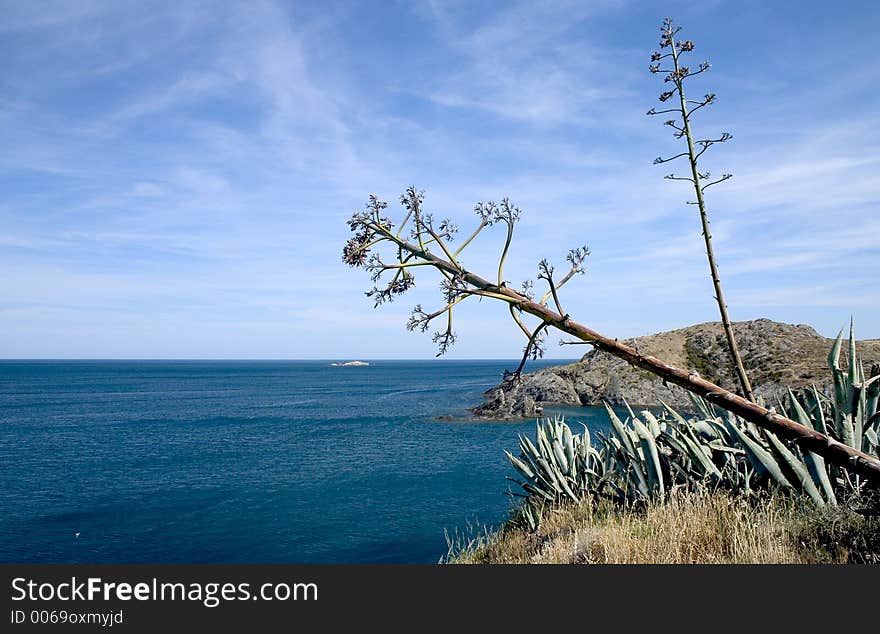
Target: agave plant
x=645, y=457
x=850, y=414
x=560, y=465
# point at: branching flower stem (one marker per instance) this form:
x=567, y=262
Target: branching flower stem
x=704, y=220
x=548, y=276
x=439, y=241
x=403, y=224
x=464, y=244
x=528, y=349
x=559, y=285
x=519, y=322
x=504, y=253
x=446, y=308
x=405, y=265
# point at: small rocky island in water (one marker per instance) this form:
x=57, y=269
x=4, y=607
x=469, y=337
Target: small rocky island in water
x=777, y=356
x=351, y=364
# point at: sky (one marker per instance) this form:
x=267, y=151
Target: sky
x=177, y=175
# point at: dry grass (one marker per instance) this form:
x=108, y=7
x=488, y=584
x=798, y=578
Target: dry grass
x=704, y=528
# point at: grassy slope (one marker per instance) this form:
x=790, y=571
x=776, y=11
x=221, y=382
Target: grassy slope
x=689, y=528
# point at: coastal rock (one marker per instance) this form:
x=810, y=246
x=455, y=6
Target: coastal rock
x=776, y=355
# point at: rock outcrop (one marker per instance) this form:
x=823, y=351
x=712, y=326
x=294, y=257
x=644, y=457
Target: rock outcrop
x=777, y=356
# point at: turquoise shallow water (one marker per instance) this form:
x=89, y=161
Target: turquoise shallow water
x=262, y=462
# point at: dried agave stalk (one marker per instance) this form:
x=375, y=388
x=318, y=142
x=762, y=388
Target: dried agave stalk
x=700, y=180
x=372, y=230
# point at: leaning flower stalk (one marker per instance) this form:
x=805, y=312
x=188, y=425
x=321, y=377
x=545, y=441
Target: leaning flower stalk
x=372, y=230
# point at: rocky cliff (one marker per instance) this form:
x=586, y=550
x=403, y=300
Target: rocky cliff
x=776, y=356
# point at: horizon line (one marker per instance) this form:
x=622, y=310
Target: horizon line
x=249, y=359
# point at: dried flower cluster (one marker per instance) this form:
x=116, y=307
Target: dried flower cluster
x=372, y=229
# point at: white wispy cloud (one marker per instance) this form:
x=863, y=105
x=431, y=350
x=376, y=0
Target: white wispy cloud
x=194, y=164
x=522, y=62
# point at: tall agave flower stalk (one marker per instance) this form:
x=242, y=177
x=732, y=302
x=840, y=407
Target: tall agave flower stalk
x=695, y=148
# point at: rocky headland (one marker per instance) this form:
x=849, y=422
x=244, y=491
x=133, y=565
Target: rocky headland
x=776, y=355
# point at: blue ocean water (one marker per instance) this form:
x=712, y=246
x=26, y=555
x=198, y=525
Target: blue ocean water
x=248, y=462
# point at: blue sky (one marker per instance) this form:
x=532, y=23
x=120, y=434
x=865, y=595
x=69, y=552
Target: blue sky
x=177, y=175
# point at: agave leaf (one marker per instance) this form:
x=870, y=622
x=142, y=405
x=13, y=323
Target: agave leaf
x=705, y=408
x=685, y=474
x=586, y=441
x=620, y=431
x=596, y=456
x=632, y=457
x=649, y=448
x=761, y=459
x=531, y=516
x=542, y=477
x=527, y=445
x=814, y=462
x=840, y=381
x=651, y=423
x=858, y=410
x=717, y=445
x=799, y=469
x=607, y=449
x=690, y=432
x=872, y=438
x=847, y=434
x=549, y=431
x=641, y=481
x=549, y=474
x=872, y=392
x=853, y=364
x=592, y=457
x=672, y=438
x=546, y=448
x=615, y=444
x=721, y=431
x=678, y=417
x=547, y=482
x=529, y=452
x=818, y=414
x=530, y=488
x=625, y=459
x=534, y=465
x=696, y=452
x=582, y=450
x=874, y=422
x=520, y=466
x=559, y=454
x=540, y=438
x=568, y=445
x=568, y=491
x=705, y=428
x=834, y=353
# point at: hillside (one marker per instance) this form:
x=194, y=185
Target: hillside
x=776, y=356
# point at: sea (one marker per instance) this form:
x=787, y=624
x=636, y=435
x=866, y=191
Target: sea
x=251, y=461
